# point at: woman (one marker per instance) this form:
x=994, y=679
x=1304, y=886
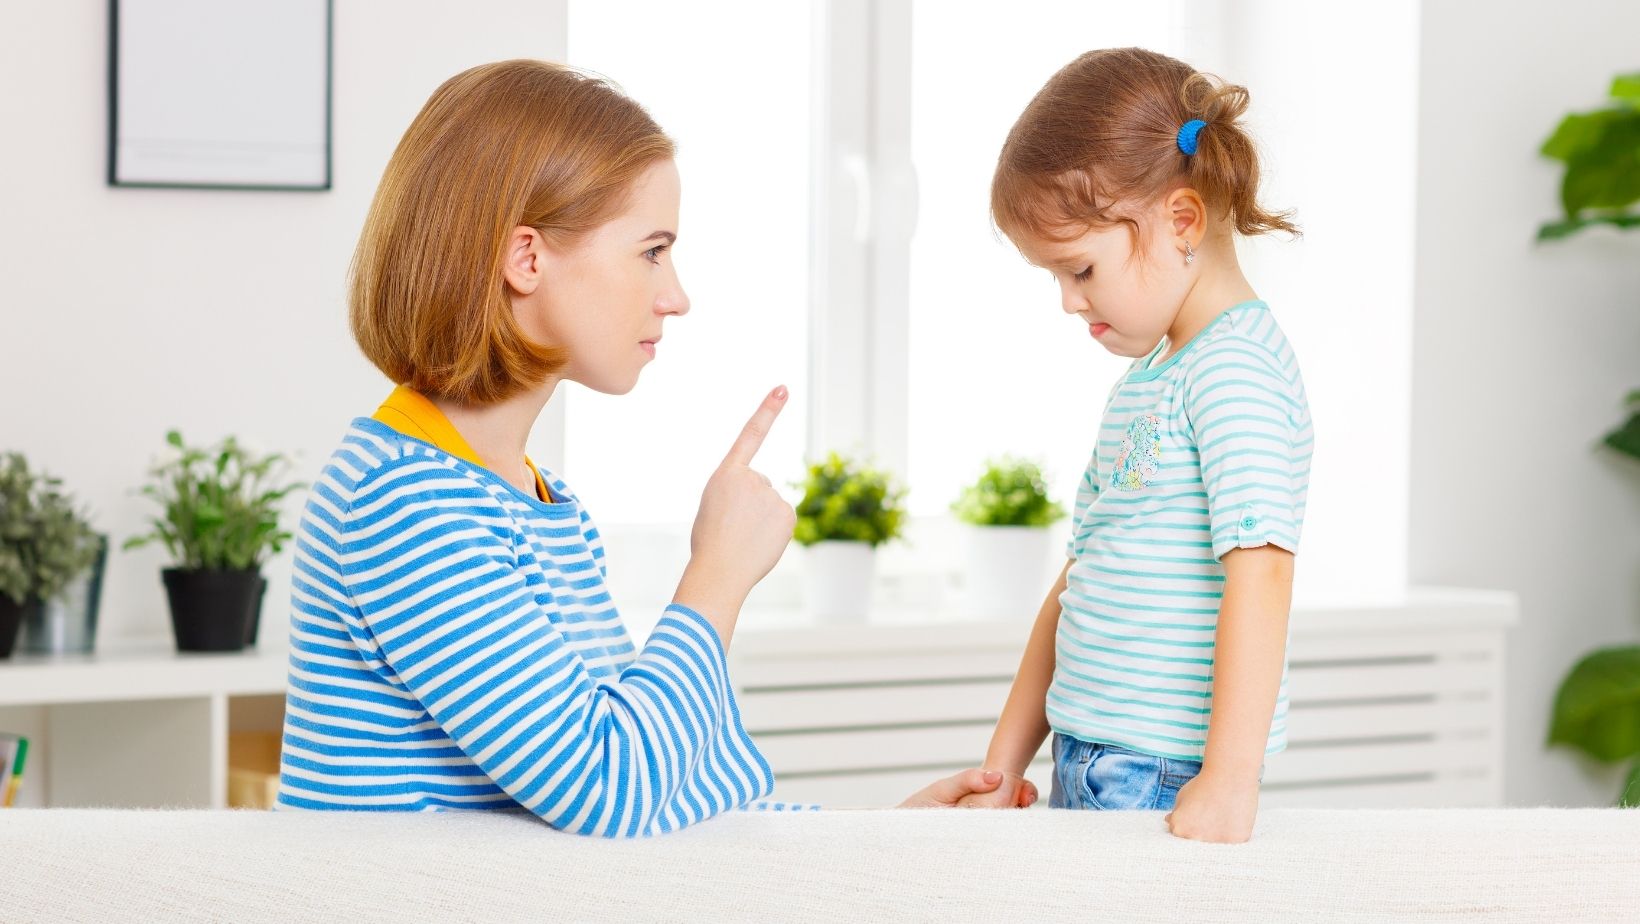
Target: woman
x=452, y=641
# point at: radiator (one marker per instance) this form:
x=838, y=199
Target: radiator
x=1399, y=705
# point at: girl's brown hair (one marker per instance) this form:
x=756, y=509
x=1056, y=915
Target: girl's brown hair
x=498, y=146
x=1104, y=132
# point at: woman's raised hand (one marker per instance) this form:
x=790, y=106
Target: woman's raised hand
x=742, y=528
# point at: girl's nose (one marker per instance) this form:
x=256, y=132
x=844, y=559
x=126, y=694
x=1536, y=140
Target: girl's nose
x=1072, y=300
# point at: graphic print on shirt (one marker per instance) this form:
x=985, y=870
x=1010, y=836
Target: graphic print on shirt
x=1140, y=456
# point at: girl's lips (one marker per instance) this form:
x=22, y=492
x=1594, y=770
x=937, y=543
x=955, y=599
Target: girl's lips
x=1098, y=329
x=648, y=347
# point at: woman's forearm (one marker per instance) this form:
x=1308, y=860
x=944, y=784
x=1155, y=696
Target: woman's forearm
x=1250, y=649
x=1024, y=722
x=714, y=595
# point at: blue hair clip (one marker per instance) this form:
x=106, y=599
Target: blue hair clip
x=1187, y=135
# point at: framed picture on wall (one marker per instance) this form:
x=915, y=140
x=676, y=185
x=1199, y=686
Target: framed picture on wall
x=223, y=94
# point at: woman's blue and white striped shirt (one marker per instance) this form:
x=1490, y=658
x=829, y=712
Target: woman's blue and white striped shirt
x=453, y=646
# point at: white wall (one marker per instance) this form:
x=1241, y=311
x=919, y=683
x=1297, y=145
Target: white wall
x=1334, y=89
x=1522, y=354
x=124, y=312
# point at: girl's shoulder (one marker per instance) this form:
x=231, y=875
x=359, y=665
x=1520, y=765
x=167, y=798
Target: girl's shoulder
x=1249, y=334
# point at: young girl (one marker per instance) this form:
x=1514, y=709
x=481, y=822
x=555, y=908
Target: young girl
x=1158, y=659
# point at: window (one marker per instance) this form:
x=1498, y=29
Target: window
x=735, y=98
x=837, y=158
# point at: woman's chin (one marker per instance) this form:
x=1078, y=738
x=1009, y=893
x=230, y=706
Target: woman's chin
x=612, y=384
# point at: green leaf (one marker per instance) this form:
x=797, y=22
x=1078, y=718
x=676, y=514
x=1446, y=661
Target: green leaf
x=269, y=497
x=1555, y=230
x=1577, y=133
x=45, y=541
x=1626, y=87
x=1631, y=789
x=216, y=511
x=1626, y=439
x=1605, y=174
x=174, y=438
x=1009, y=492
x=843, y=499
x=1597, y=709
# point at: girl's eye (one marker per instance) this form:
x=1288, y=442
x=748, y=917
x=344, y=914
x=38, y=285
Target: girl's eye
x=1085, y=275
x=653, y=254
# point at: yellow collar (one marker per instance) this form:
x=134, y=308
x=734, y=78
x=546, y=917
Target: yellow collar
x=411, y=413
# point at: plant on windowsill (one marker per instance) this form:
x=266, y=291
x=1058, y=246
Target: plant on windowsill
x=219, y=520
x=1597, y=708
x=847, y=511
x=1008, y=512
x=46, y=544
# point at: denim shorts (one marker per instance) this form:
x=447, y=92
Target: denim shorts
x=1104, y=777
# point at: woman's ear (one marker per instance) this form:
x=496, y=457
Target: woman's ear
x=1188, y=214
x=524, y=261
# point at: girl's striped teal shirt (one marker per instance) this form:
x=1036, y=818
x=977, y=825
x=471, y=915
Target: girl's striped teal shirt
x=1204, y=452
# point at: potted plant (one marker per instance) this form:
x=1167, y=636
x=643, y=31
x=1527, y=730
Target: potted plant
x=1601, y=151
x=1597, y=708
x=1007, y=512
x=45, y=545
x=847, y=511
x=219, y=520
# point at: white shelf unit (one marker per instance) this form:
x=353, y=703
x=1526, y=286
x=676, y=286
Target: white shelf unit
x=1393, y=705
x=137, y=726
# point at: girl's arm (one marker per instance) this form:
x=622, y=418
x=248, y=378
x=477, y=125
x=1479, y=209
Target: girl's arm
x=1024, y=722
x=1250, y=649
x=1251, y=646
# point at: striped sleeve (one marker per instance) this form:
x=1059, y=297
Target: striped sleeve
x=431, y=564
x=1087, y=491
x=781, y=807
x=1244, y=411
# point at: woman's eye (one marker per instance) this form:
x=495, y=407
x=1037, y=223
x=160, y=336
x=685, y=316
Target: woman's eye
x=653, y=254
x=1085, y=275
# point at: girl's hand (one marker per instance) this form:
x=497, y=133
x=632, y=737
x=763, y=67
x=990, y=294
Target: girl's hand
x=1015, y=792
x=1211, y=808
x=956, y=789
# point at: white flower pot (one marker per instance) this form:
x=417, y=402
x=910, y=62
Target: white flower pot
x=1005, y=573
x=837, y=581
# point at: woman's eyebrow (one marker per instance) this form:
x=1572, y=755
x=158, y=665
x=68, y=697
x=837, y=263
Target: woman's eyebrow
x=664, y=236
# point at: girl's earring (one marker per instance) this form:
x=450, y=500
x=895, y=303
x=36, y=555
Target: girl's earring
x=1189, y=254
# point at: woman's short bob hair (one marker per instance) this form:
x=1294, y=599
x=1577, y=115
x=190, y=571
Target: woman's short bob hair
x=499, y=146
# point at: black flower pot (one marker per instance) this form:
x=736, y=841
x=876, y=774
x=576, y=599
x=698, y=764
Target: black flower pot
x=256, y=615
x=12, y=615
x=211, y=609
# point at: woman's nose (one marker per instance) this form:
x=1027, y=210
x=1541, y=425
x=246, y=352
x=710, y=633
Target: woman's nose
x=675, y=301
